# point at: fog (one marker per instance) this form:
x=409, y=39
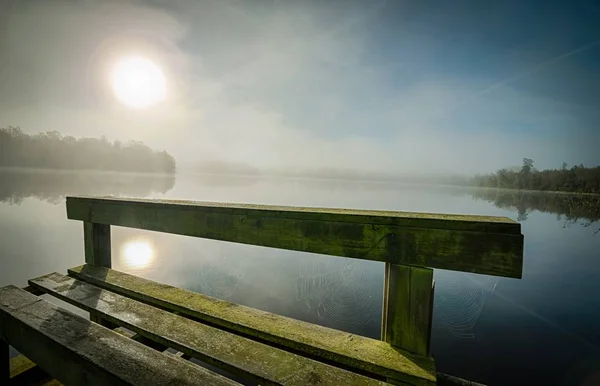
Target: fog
x=362, y=85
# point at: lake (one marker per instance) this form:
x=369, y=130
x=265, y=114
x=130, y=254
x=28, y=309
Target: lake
x=542, y=329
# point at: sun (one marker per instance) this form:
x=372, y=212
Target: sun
x=137, y=254
x=138, y=82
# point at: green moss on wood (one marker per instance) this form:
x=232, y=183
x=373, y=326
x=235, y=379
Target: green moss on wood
x=353, y=351
x=238, y=355
x=489, y=246
x=381, y=217
x=407, y=310
x=77, y=351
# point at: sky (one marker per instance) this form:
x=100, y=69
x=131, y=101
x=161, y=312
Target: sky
x=400, y=86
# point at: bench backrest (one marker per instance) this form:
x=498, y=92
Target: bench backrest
x=410, y=244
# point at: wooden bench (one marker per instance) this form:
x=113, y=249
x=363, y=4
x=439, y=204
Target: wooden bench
x=76, y=351
x=257, y=346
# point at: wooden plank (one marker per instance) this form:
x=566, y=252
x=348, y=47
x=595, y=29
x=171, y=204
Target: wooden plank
x=76, y=207
x=76, y=351
x=96, y=239
x=487, y=245
x=406, y=320
x=233, y=353
x=370, y=356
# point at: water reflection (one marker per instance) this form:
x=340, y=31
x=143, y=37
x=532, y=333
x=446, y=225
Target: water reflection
x=53, y=186
x=137, y=254
x=570, y=208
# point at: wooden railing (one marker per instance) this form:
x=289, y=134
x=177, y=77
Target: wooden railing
x=410, y=244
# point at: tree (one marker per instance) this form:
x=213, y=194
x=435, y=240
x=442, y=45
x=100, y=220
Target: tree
x=577, y=179
x=527, y=165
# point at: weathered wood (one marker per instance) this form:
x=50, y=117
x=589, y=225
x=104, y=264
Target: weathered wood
x=233, y=353
x=487, y=245
x=96, y=240
x=494, y=224
x=76, y=351
x=406, y=319
x=370, y=356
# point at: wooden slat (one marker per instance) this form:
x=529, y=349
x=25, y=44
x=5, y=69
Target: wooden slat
x=352, y=351
x=407, y=307
x=238, y=355
x=96, y=240
x=492, y=224
x=487, y=245
x=76, y=351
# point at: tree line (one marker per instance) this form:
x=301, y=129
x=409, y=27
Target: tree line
x=51, y=150
x=579, y=179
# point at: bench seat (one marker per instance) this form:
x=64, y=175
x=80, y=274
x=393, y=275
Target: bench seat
x=371, y=357
x=76, y=351
x=235, y=354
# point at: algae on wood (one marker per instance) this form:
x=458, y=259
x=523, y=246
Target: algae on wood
x=76, y=351
x=369, y=356
x=478, y=244
x=407, y=307
x=235, y=354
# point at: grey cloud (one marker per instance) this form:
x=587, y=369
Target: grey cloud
x=267, y=87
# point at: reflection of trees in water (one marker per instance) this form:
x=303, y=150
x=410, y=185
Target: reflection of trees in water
x=573, y=208
x=53, y=186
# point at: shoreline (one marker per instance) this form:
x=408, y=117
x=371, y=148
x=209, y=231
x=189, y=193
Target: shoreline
x=295, y=177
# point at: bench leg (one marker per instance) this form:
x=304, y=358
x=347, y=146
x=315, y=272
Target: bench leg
x=4, y=363
x=407, y=307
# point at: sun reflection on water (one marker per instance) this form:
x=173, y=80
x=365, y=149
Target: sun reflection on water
x=137, y=254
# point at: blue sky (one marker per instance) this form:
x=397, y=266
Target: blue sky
x=416, y=86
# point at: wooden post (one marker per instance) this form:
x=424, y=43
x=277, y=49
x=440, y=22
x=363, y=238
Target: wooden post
x=97, y=244
x=407, y=307
x=4, y=363
x=97, y=253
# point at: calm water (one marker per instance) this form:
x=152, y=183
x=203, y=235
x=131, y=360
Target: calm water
x=543, y=329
